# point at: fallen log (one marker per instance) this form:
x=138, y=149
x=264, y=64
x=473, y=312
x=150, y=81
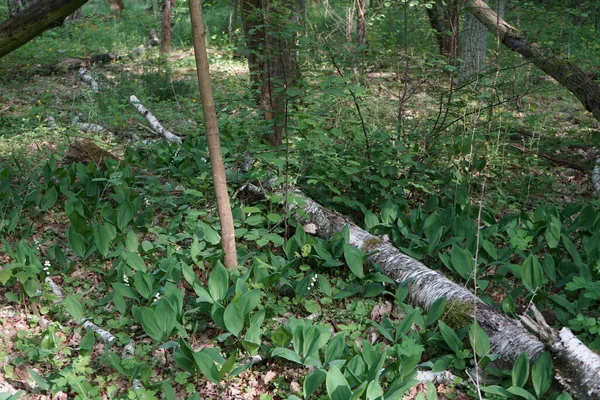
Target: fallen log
x=508, y=337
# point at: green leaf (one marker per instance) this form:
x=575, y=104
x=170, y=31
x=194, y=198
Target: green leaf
x=49, y=199
x=218, y=282
x=571, y=248
x=354, y=259
x=337, y=385
x=210, y=235
x=541, y=374
x=40, y=380
x=313, y=381
x=519, y=391
x=124, y=215
x=450, y=337
x=435, y=310
x=462, y=261
x=103, y=236
x=432, y=225
x=549, y=267
x=166, y=314
x=479, y=339
x=287, y=354
x=151, y=324
x=131, y=242
x=74, y=308
x=234, y=319
x=134, y=261
x=370, y=220
x=553, y=232
x=375, y=391
x=76, y=242
x=143, y=283
x=520, y=371
x=206, y=365
x=184, y=356
x=532, y=274
x=564, y=396
x=335, y=348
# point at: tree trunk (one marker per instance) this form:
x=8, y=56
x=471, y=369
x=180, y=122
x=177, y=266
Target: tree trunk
x=473, y=47
x=361, y=23
x=271, y=52
x=444, y=20
x=566, y=73
x=116, y=5
x=212, y=135
x=165, y=41
x=508, y=337
x=34, y=20
x=14, y=7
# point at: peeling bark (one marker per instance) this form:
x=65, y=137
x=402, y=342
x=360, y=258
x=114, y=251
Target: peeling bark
x=154, y=123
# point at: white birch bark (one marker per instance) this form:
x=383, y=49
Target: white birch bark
x=154, y=123
x=87, y=78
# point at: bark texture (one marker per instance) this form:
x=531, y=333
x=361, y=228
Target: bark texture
x=270, y=28
x=473, y=47
x=212, y=135
x=444, y=20
x=33, y=21
x=165, y=41
x=566, y=73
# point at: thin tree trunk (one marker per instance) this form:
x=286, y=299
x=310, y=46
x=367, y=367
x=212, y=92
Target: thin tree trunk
x=565, y=72
x=361, y=22
x=212, y=134
x=165, y=40
x=32, y=21
x=444, y=20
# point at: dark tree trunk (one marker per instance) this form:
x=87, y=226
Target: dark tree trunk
x=444, y=20
x=271, y=53
x=361, y=22
x=565, y=72
x=32, y=21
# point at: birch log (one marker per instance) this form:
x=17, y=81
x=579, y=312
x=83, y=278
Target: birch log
x=577, y=367
x=154, y=123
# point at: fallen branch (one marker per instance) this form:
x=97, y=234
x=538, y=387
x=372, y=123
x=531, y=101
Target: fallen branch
x=508, y=337
x=555, y=160
x=87, y=78
x=138, y=51
x=89, y=127
x=578, y=367
x=156, y=126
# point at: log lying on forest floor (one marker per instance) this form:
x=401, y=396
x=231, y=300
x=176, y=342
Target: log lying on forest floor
x=508, y=337
x=579, y=366
x=154, y=123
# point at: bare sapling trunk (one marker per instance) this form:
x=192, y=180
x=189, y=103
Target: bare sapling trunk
x=565, y=72
x=212, y=134
x=444, y=20
x=165, y=41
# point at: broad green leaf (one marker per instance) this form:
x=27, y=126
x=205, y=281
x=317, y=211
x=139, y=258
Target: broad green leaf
x=210, y=235
x=549, y=267
x=49, y=199
x=206, y=365
x=124, y=290
x=541, y=374
x=450, y=337
x=564, y=396
x=134, y=261
x=151, y=324
x=519, y=391
x=143, y=283
x=234, y=319
x=354, y=259
x=335, y=348
x=103, y=236
x=432, y=225
x=38, y=379
x=553, y=232
x=520, y=371
x=462, y=262
x=571, y=248
x=371, y=220
x=131, y=242
x=374, y=391
x=337, y=385
x=166, y=314
x=313, y=381
x=74, y=308
x=184, y=356
x=532, y=274
x=287, y=354
x=76, y=242
x=124, y=215
x=218, y=282
x=436, y=310
x=480, y=341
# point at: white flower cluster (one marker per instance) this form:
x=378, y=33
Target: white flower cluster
x=313, y=280
x=126, y=280
x=156, y=297
x=47, y=266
